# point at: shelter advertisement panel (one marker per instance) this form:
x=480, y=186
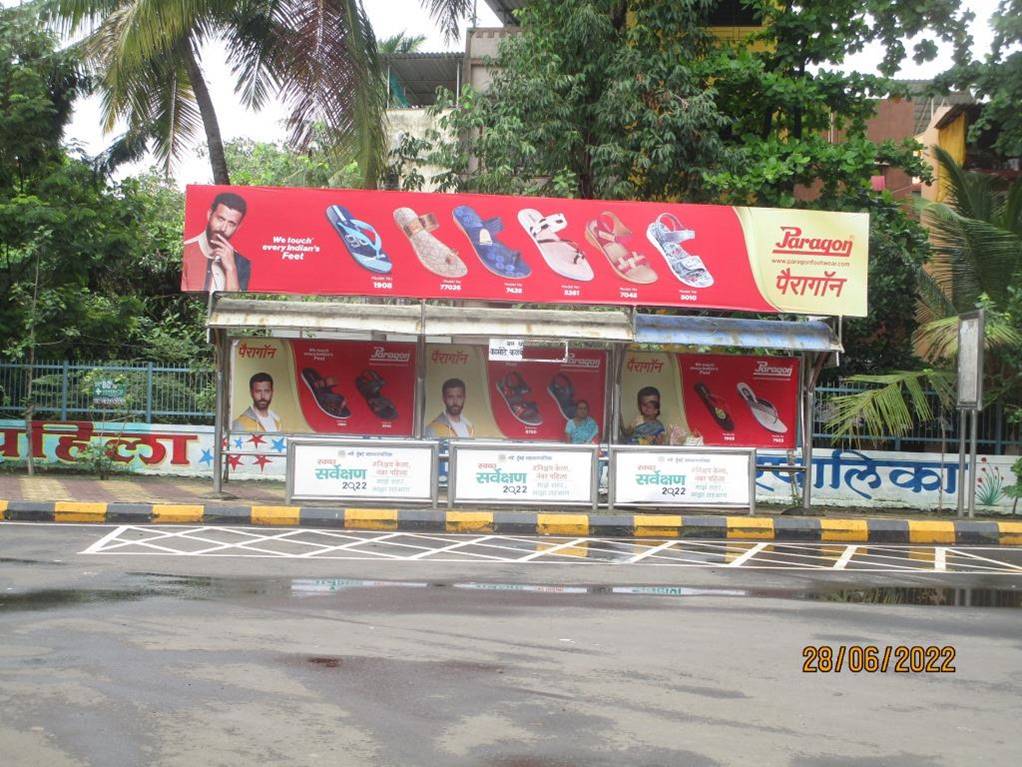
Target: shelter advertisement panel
x=538, y=250
x=326, y=387
x=682, y=477
x=469, y=396
x=709, y=399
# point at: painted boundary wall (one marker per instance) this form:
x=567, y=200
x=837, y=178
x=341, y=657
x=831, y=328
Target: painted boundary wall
x=841, y=477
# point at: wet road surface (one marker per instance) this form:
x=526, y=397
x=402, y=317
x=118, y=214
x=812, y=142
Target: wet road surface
x=167, y=658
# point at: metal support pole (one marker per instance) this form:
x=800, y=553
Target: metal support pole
x=218, y=415
x=420, y=384
x=972, y=466
x=961, y=462
x=149, y=392
x=807, y=446
x=63, y=391
x=807, y=433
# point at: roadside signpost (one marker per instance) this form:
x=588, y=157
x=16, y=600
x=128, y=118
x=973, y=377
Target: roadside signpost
x=970, y=400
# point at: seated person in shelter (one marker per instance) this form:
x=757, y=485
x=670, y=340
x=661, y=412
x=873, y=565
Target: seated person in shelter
x=582, y=429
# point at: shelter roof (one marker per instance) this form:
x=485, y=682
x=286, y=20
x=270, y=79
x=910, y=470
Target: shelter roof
x=467, y=323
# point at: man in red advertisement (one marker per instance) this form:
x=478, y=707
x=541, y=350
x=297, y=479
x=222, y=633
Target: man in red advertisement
x=210, y=261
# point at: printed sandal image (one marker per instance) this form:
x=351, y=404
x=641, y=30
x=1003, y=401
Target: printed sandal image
x=513, y=389
x=666, y=234
x=361, y=240
x=434, y=255
x=563, y=256
x=329, y=401
x=369, y=384
x=611, y=237
x=563, y=392
x=763, y=410
x=495, y=255
x=717, y=407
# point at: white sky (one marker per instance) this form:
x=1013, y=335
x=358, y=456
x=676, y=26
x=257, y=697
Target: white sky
x=388, y=18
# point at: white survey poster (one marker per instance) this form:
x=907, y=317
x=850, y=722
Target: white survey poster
x=528, y=475
x=682, y=478
x=366, y=471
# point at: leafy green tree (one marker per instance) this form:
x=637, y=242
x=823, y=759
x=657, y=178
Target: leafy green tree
x=996, y=80
x=977, y=240
x=256, y=163
x=319, y=56
x=87, y=270
x=584, y=103
x=795, y=119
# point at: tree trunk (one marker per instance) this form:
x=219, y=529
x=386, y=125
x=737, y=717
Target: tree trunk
x=217, y=159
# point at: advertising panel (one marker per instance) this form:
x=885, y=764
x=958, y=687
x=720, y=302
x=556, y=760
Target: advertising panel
x=361, y=470
x=327, y=387
x=539, y=250
x=523, y=474
x=709, y=399
x=469, y=396
x=682, y=476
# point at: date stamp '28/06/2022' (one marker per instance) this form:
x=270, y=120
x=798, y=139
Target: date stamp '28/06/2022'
x=872, y=659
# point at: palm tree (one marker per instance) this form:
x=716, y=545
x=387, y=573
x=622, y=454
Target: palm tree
x=402, y=42
x=319, y=56
x=976, y=238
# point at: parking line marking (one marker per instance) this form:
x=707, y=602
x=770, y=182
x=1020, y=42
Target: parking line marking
x=753, y=551
x=842, y=561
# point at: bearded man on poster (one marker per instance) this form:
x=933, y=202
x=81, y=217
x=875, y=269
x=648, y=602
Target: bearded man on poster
x=451, y=424
x=258, y=417
x=210, y=261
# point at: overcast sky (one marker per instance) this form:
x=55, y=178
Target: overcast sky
x=388, y=18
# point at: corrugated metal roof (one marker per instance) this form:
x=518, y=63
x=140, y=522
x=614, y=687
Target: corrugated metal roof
x=811, y=336
x=420, y=74
x=452, y=321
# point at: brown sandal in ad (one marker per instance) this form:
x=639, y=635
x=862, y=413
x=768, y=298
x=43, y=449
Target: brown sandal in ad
x=611, y=237
x=434, y=255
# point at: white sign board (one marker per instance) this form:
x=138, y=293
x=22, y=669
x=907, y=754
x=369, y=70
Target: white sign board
x=367, y=470
x=970, y=360
x=507, y=349
x=523, y=474
x=682, y=477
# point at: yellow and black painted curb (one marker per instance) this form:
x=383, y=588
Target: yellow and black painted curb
x=810, y=529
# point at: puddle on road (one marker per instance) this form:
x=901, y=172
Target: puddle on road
x=214, y=589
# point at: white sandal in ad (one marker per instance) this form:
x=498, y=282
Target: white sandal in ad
x=563, y=256
x=762, y=410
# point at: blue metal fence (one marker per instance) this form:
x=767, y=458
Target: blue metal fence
x=151, y=393
x=87, y=391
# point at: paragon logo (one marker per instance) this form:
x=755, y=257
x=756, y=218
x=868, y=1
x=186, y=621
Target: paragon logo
x=794, y=244
x=380, y=354
x=765, y=370
x=581, y=362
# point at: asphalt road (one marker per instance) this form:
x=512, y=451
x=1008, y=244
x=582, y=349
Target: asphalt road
x=198, y=660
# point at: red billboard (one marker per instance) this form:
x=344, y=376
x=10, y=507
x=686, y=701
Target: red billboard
x=537, y=250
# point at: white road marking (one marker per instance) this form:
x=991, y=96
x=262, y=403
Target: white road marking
x=98, y=545
x=651, y=551
x=753, y=551
x=260, y=542
x=846, y=555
